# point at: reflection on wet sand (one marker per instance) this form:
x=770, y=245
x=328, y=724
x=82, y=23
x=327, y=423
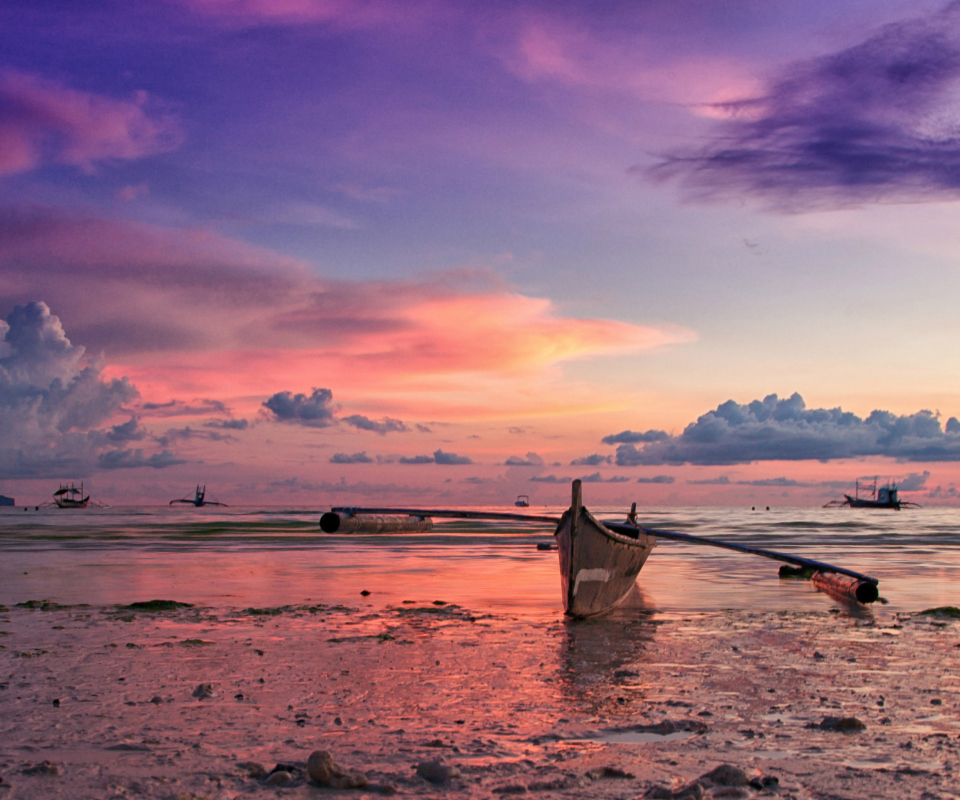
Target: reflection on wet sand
x=601, y=660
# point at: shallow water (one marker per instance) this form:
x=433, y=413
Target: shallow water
x=240, y=557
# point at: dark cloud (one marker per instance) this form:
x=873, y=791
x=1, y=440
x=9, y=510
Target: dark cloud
x=450, y=458
x=591, y=461
x=423, y=428
x=129, y=431
x=314, y=411
x=131, y=459
x=631, y=437
x=786, y=430
x=723, y=480
x=596, y=477
x=952, y=426
x=228, y=424
x=356, y=458
x=531, y=460
x=416, y=460
x=173, y=435
x=872, y=122
x=479, y=481
x=384, y=426
x=657, y=479
x=914, y=482
x=178, y=408
x=550, y=479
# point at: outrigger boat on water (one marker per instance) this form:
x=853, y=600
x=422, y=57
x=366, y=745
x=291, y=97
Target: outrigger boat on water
x=885, y=496
x=599, y=561
x=70, y=496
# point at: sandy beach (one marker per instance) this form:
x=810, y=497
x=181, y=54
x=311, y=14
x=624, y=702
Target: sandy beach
x=190, y=703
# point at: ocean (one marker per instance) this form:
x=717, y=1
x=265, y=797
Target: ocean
x=257, y=557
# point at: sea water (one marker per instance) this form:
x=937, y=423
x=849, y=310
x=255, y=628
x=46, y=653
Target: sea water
x=258, y=557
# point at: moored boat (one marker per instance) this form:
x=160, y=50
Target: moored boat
x=598, y=566
x=70, y=496
x=885, y=496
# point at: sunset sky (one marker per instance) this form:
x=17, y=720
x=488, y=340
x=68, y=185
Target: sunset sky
x=332, y=252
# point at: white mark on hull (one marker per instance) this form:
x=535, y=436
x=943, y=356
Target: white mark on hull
x=590, y=575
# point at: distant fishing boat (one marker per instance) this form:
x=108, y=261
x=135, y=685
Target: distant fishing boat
x=199, y=498
x=885, y=496
x=522, y=501
x=598, y=566
x=70, y=496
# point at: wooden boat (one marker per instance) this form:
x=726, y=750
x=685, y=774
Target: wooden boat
x=598, y=566
x=199, y=499
x=883, y=497
x=70, y=496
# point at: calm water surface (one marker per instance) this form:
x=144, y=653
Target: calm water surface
x=244, y=557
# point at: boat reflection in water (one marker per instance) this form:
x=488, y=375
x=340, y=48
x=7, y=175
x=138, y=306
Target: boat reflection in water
x=601, y=659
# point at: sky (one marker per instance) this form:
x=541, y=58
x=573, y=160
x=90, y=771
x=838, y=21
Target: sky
x=334, y=252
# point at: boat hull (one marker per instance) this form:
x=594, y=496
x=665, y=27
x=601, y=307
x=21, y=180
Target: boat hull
x=857, y=502
x=598, y=567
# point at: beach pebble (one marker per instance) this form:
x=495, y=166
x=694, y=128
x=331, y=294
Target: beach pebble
x=43, y=768
x=324, y=771
x=436, y=771
x=254, y=770
x=598, y=773
x=842, y=724
x=204, y=691
x=725, y=775
x=279, y=778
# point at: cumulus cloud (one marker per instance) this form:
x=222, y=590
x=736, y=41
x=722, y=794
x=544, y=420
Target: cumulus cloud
x=129, y=431
x=54, y=403
x=177, y=408
x=417, y=459
x=356, y=458
x=228, y=424
x=531, y=460
x=132, y=459
x=631, y=437
x=450, y=458
x=173, y=435
x=657, y=479
x=384, y=426
x=44, y=122
x=786, y=430
x=876, y=121
x=314, y=411
x=914, y=482
x=591, y=461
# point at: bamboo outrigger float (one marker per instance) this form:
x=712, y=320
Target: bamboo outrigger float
x=600, y=561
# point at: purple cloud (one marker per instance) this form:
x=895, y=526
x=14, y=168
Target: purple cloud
x=384, y=426
x=314, y=411
x=42, y=121
x=786, y=430
x=356, y=458
x=872, y=122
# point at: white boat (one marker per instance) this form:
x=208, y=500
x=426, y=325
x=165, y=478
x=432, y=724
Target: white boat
x=598, y=567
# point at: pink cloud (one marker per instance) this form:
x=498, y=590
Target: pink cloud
x=42, y=121
x=345, y=13
x=554, y=49
x=190, y=313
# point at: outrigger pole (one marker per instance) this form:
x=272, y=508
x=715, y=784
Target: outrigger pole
x=862, y=588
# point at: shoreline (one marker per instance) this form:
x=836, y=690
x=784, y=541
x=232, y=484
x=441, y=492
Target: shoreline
x=518, y=706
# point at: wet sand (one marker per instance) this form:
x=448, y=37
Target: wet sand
x=107, y=702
